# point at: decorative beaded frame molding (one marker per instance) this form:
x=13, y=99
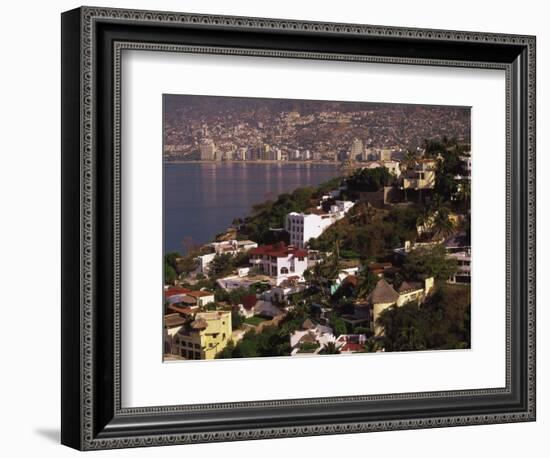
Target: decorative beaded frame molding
x=89, y=15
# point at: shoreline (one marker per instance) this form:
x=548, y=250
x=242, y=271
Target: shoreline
x=253, y=162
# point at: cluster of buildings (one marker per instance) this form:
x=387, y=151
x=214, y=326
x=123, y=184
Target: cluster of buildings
x=196, y=328
x=316, y=337
x=201, y=128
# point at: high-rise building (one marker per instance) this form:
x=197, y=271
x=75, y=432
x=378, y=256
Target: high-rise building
x=386, y=154
x=275, y=154
x=356, y=149
x=208, y=150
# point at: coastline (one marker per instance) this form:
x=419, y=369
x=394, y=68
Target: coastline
x=252, y=162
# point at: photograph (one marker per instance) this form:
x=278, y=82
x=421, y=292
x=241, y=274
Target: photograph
x=317, y=221
x=303, y=228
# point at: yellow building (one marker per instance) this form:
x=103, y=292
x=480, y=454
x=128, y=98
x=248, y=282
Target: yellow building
x=384, y=296
x=200, y=338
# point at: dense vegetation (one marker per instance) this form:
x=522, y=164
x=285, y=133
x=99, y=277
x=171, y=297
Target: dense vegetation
x=442, y=322
x=429, y=262
x=369, y=233
x=271, y=215
x=368, y=180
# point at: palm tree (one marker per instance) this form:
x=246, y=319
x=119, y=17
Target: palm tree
x=330, y=349
x=464, y=193
x=442, y=225
x=424, y=218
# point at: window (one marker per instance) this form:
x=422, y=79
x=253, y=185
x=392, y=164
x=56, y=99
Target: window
x=284, y=270
x=197, y=346
x=197, y=355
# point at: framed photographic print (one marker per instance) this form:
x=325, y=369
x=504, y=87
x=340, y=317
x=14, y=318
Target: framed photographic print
x=276, y=228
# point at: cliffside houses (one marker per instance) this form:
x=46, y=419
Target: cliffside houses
x=232, y=247
x=462, y=254
x=305, y=226
x=314, y=338
x=279, y=261
x=393, y=166
x=200, y=336
x=311, y=339
x=383, y=296
x=187, y=298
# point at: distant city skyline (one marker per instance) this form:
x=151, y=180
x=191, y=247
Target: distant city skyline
x=239, y=128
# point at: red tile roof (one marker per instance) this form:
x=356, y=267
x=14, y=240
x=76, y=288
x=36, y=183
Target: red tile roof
x=351, y=280
x=351, y=346
x=280, y=250
x=172, y=291
x=199, y=293
x=182, y=310
x=249, y=301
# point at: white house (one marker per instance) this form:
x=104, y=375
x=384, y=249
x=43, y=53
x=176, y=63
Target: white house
x=463, y=256
x=467, y=159
x=231, y=247
x=311, y=333
x=393, y=167
x=203, y=261
x=286, y=288
x=302, y=227
x=279, y=261
x=341, y=207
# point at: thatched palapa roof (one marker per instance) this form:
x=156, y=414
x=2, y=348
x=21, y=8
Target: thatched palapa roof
x=383, y=293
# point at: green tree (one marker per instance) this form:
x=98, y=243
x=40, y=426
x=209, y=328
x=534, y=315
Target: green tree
x=221, y=265
x=271, y=215
x=236, y=319
x=464, y=194
x=172, y=258
x=431, y=261
x=369, y=180
x=367, y=282
x=235, y=296
x=169, y=274
x=442, y=226
x=338, y=325
x=442, y=322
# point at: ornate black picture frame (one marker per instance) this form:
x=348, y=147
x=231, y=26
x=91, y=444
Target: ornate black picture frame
x=92, y=42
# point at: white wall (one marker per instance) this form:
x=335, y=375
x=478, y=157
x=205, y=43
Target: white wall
x=30, y=242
